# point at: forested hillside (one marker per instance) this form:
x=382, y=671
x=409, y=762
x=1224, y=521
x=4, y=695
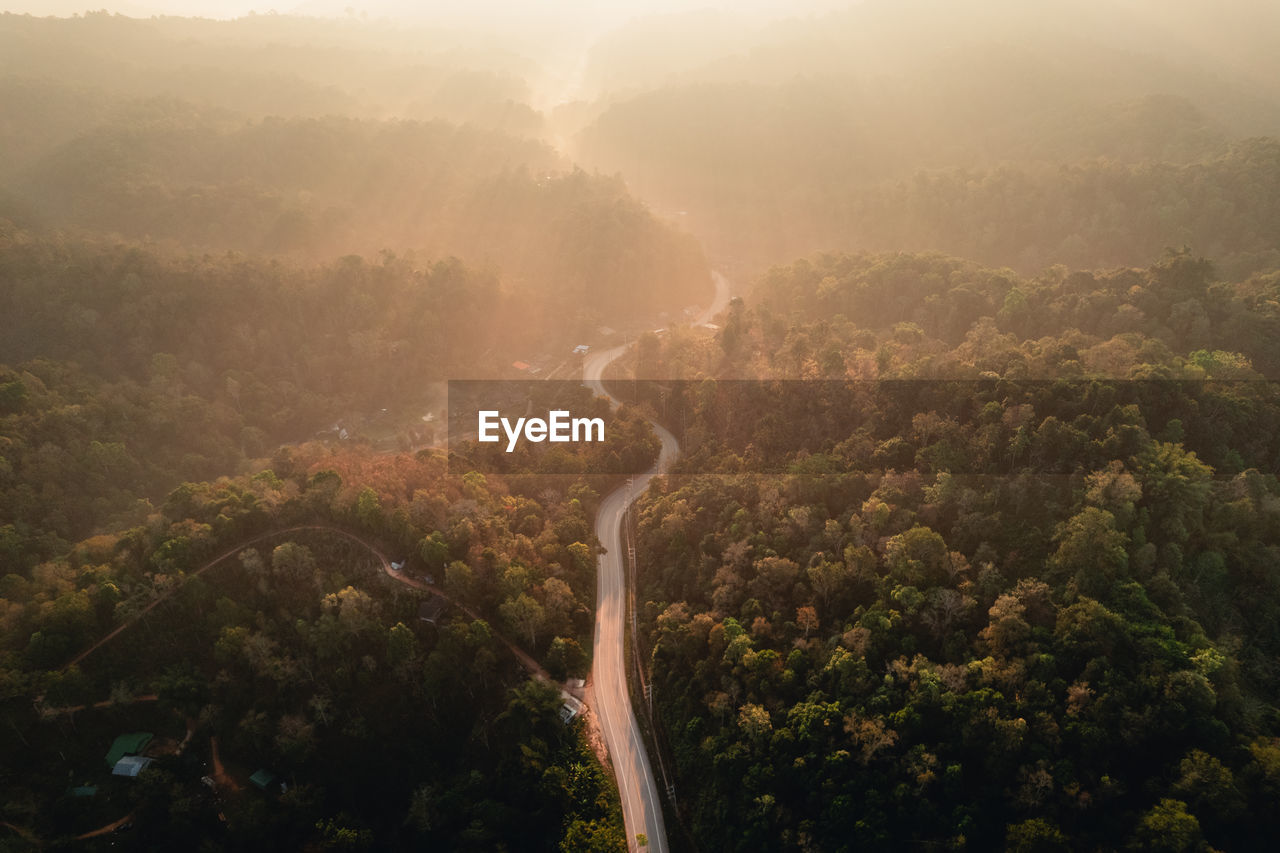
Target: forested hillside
x=298, y=653
x=266, y=65
x=312, y=189
x=1088, y=134
x=1019, y=591
x=928, y=316
x=238, y=263
x=130, y=372
x=972, y=540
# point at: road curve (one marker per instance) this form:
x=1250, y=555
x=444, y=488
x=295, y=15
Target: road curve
x=641, y=805
x=719, y=302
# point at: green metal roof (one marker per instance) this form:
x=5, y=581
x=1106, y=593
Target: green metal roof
x=84, y=791
x=130, y=744
x=263, y=778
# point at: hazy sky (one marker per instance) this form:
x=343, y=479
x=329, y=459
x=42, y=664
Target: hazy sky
x=594, y=10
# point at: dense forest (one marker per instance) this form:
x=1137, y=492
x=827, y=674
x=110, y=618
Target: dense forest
x=276, y=631
x=131, y=371
x=928, y=316
x=1089, y=134
x=71, y=73
x=298, y=187
x=234, y=279
x=1019, y=591
x=973, y=534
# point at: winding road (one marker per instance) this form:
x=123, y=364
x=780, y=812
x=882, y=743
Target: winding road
x=641, y=805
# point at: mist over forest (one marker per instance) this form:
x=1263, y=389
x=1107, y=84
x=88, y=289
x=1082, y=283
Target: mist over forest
x=949, y=329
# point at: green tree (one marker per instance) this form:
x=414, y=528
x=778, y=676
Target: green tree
x=565, y=658
x=525, y=616
x=1091, y=550
x=435, y=551
x=293, y=563
x=402, y=645
x=1175, y=486
x=369, y=509
x=1168, y=827
x=1035, y=835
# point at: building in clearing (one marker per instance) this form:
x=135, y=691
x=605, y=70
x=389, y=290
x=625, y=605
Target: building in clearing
x=130, y=744
x=263, y=778
x=431, y=610
x=131, y=766
x=570, y=709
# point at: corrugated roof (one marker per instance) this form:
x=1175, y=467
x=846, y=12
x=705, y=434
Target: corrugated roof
x=430, y=610
x=129, y=744
x=263, y=778
x=131, y=765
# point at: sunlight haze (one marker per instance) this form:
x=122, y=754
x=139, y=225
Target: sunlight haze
x=640, y=426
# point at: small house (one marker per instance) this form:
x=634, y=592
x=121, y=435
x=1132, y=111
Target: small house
x=431, y=610
x=570, y=710
x=130, y=766
x=263, y=778
x=130, y=744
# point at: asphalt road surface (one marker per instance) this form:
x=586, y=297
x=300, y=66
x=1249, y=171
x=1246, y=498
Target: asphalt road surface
x=641, y=805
